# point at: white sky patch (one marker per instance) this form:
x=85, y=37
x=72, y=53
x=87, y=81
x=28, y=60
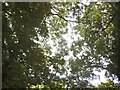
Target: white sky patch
x=100, y=77
x=87, y=2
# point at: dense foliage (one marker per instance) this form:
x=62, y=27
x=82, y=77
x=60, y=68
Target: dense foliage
x=59, y=45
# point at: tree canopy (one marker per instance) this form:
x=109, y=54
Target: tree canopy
x=59, y=44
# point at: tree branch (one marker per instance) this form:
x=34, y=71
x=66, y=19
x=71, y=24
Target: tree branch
x=103, y=29
x=108, y=23
x=64, y=18
x=98, y=66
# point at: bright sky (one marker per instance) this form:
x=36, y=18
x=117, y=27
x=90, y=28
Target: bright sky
x=70, y=37
x=69, y=40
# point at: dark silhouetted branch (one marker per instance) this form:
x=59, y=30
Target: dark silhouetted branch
x=64, y=18
x=108, y=23
x=60, y=16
